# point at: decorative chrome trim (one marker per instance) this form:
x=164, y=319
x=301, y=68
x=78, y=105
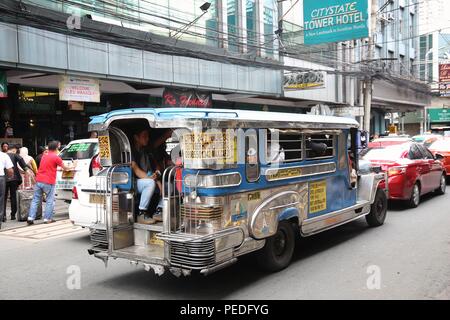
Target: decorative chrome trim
x=267, y=201
x=217, y=175
x=267, y=172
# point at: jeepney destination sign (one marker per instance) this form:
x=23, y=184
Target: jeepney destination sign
x=335, y=20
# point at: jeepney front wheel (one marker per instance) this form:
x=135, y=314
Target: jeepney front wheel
x=279, y=248
x=378, y=210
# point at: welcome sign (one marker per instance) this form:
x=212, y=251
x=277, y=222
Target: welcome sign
x=335, y=20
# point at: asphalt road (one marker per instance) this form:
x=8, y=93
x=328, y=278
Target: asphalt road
x=410, y=253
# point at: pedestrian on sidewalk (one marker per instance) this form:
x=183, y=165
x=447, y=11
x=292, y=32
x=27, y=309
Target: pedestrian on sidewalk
x=6, y=166
x=41, y=152
x=13, y=183
x=27, y=175
x=45, y=183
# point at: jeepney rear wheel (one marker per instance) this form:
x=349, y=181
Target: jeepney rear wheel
x=378, y=210
x=279, y=248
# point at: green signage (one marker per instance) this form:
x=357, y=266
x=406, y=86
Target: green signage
x=335, y=20
x=3, y=85
x=439, y=115
x=79, y=147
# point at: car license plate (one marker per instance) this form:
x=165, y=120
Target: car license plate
x=97, y=198
x=68, y=174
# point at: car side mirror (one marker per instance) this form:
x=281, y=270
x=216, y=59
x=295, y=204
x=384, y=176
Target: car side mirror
x=439, y=156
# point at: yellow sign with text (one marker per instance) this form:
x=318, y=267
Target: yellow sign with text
x=104, y=147
x=317, y=196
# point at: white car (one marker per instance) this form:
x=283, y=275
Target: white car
x=83, y=207
x=85, y=151
x=87, y=199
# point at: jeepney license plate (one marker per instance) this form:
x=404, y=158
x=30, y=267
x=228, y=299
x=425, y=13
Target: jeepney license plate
x=97, y=198
x=68, y=174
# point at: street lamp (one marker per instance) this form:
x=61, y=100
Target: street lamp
x=204, y=7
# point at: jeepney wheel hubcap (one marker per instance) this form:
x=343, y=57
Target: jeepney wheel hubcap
x=416, y=195
x=280, y=243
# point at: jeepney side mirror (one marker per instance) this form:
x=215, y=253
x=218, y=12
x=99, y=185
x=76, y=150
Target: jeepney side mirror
x=439, y=156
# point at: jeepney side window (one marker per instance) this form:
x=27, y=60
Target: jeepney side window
x=343, y=142
x=251, y=156
x=284, y=146
x=319, y=146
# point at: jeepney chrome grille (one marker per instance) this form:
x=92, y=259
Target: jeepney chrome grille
x=195, y=255
x=201, y=212
x=99, y=239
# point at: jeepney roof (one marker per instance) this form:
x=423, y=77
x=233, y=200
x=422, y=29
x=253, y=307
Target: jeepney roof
x=226, y=118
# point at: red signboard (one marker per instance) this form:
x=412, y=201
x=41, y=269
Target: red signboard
x=186, y=99
x=444, y=72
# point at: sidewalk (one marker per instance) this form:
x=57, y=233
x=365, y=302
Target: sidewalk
x=61, y=213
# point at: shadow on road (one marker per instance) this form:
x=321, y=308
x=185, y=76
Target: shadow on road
x=225, y=282
x=402, y=206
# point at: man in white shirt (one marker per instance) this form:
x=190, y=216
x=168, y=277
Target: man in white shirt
x=6, y=166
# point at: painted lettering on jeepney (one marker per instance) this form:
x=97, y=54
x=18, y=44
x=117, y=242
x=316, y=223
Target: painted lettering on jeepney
x=317, y=196
x=254, y=196
x=285, y=173
x=104, y=148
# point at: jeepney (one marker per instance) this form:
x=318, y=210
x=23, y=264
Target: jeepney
x=241, y=182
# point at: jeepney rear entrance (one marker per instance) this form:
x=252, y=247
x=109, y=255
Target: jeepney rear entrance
x=232, y=187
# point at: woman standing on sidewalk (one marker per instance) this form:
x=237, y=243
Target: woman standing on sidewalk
x=27, y=176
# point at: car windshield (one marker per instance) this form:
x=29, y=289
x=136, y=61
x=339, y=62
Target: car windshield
x=389, y=153
x=441, y=145
x=79, y=151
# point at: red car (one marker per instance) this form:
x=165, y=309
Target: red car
x=412, y=170
x=442, y=148
x=388, y=141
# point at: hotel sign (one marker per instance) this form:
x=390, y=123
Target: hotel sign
x=335, y=20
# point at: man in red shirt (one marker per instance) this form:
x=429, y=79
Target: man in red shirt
x=45, y=183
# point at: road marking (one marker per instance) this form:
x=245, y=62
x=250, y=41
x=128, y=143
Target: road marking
x=40, y=232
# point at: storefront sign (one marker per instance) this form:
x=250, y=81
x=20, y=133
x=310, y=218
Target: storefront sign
x=335, y=20
x=79, y=89
x=186, y=99
x=444, y=89
x=304, y=80
x=444, y=73
x=439, y=115
x=3, y=85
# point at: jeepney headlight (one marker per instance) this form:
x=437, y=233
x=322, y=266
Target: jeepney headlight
x=213, y=181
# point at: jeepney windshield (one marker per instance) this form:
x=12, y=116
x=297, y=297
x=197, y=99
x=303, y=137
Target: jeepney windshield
x=208, y=148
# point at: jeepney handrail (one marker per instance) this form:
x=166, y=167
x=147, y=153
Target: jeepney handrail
x=108, y=202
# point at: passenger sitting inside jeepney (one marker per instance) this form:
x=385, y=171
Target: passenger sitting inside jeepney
x=147, y=173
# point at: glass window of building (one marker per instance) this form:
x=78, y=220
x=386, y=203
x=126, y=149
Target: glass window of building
x=154, y=16
x=269, y=36
x=251, y=26
x=203, y=28
x=232, y=23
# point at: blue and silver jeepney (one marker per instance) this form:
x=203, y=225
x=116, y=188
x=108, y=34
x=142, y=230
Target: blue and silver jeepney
x=241, y=181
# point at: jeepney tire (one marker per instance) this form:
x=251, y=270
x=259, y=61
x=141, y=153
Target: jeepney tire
x=414, y=202
x=378, y=210
x=269, y=257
